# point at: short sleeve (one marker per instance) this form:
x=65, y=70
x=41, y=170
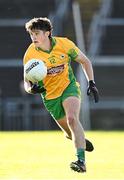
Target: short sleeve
x=73, y=50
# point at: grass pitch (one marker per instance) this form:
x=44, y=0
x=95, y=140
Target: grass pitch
x=47, y=155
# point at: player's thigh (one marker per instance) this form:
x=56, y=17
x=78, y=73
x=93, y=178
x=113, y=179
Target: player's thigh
x=62, y=123
x=72, y=106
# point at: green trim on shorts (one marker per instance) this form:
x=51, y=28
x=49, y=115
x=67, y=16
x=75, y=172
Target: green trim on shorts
x=55, y=107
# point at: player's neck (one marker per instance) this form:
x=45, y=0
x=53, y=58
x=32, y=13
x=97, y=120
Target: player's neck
x=46, y=46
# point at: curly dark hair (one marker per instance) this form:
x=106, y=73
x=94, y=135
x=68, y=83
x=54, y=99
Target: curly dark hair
x=41, y=23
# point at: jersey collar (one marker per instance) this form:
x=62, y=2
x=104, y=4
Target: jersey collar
x=53, y=43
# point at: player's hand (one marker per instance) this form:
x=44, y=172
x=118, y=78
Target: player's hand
x=92, y=90
x=35, y=89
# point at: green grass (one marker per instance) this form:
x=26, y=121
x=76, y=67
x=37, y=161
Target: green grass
x=47, y=155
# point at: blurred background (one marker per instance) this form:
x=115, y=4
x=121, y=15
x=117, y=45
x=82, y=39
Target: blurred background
x=97, y=27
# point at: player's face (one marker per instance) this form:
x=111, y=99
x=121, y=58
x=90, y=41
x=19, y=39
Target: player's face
x=38, y=37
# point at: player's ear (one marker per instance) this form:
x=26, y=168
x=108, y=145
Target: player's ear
x=47, y=33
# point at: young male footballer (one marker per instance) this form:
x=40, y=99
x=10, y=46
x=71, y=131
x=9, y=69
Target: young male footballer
x=59, y=90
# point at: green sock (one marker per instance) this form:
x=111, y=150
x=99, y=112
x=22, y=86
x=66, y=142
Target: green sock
x=81, y=154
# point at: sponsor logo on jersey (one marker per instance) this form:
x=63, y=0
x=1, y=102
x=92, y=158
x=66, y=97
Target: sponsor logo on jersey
x=55, y=70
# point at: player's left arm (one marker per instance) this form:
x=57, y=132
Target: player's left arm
x=87, y=66
x=88, y=69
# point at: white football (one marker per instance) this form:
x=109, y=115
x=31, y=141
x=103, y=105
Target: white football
x=35, y=70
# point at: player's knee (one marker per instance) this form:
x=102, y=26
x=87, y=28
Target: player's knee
x=71, y=119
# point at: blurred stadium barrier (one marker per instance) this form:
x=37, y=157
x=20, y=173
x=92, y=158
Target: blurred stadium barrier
x=24, y=114
x=106, y=50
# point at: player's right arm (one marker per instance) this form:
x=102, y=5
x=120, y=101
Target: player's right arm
x=27, y=85
x=32, y=88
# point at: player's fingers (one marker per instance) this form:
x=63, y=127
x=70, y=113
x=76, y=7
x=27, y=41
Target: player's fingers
x=88, y=91
x=96, y=95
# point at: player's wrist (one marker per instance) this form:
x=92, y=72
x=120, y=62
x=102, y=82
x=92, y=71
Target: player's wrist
x=92, y=82
x=36, y=89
